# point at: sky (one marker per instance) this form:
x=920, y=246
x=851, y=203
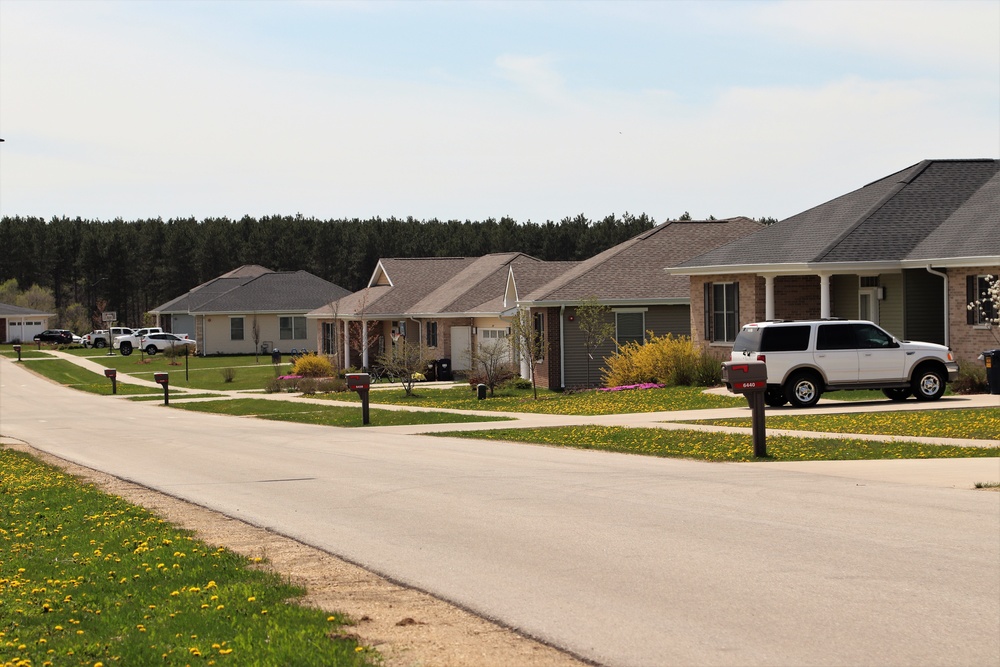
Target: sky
x=473, y=110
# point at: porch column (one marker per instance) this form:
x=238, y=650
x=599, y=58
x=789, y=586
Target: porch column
x=824, y=295
x=364, y=344
x=768, y=297
x=345, y=332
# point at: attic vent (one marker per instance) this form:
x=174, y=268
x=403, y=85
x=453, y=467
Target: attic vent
x=869, y=281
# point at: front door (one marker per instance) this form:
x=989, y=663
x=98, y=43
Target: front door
x=867, y=304
x=461, y=348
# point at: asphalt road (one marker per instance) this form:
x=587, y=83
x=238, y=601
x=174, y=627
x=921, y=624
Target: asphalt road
x=624, y=560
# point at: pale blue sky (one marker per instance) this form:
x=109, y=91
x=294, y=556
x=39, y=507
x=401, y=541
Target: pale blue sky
x=536, y=110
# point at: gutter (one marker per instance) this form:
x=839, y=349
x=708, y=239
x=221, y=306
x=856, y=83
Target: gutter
x=947, y=323
x=562, y=347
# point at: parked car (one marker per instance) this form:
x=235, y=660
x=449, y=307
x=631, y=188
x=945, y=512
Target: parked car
x=100, y=337
x=63, y=336
x=153, y=343
x=77, y=340
x=805, y=358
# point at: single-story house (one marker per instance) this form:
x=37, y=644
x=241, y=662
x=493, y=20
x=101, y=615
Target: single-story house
x=447, y=305
x=18, y=325
x=223, y=314
x=627, y=279
x=908, y=251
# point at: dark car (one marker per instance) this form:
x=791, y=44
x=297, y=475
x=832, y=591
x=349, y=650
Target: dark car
x=55, y=336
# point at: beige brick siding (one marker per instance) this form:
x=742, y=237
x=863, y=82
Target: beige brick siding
x=966, y=340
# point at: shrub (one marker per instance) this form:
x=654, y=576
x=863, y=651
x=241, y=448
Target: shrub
x=312, y=365
x=307, y=386
x=668, y=360
x=273, y=386
x=331, y=385
x=228, y=374
x=517, y=382
x=970, y=381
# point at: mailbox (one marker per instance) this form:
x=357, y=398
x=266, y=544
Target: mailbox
x=17, y=348
x=161, y=377
x=358, y=381
x=743, y=377
x=110, y=373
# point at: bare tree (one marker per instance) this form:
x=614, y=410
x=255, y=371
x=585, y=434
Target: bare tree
x=495, y=360
x=356, y=331
x=255, y=334
x=529, y=343
x=593, y=319
x=404, y=361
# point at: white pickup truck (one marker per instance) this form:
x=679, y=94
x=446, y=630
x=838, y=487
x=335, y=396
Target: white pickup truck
x=101, y=338
x=140, y=339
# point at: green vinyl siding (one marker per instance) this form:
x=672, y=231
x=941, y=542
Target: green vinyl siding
x=923, y=306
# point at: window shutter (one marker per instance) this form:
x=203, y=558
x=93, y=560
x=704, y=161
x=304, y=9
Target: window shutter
x=970, y=296
x=736, y=306
x=708, y=311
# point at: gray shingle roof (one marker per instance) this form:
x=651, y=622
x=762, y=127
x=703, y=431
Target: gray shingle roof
x=632, y=270
x=9, y=310
x=925, y=208
x=255, y=288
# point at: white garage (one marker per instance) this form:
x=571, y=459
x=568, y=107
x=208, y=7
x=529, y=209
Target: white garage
x=21, y=324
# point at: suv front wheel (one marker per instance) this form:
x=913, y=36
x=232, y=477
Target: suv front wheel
x=928, y=384
x=803, y=389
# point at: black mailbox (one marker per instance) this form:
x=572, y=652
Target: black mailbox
x=750, y=379
x=356, y=381
x=161, y=378
x=743, y=377
x=17, y=348
x=110, y=373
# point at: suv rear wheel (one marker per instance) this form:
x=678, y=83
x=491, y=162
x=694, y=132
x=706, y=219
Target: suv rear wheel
x=99, y=343
x=125, y=349
x=151, y=349
x=928, y=383
x=897, y=394
x=774, y=396
x=803, y=389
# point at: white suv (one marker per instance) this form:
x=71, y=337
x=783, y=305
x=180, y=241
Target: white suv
x=808, y=357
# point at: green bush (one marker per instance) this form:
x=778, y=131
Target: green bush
x=970, y=381
x=668, y=360
x=312, y=365
x=331, y=385
x=307, y=386
x=273, y=386
x=228, y=374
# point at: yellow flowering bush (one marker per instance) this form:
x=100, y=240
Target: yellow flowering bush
x=669, y=360
x=312, y=366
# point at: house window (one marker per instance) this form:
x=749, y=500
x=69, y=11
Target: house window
x=630, y=326
x=432, y=334
x=978, y=289
x=235, y=328
x=292, y=328
x=722, y=312
x=539, y=335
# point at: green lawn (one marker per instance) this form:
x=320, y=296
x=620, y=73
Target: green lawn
x=89, y=579
x=202, y=372
x=560, y=403
x=69, y=374
x=983, y=423
x=326, y=415
x=719, y=446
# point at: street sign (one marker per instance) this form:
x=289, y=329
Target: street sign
x=109, y=316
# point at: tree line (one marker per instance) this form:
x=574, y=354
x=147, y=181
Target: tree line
x=130, y=267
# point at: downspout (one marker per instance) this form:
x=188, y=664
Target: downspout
x=562, y=346
x=947, y=324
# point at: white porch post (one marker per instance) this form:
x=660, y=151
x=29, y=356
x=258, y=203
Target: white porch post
x=345, y=330
x=824, y=295
x=768, y=297
x=364, y=344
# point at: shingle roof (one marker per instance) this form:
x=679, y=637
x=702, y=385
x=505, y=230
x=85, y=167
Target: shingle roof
x=9, y=310
x=631, y=270
x=944, y=208
x=255, y=288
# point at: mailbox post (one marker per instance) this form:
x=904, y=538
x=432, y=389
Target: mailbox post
x=112, y=375
x=360, y=382
x=17, y=348
x=164, y=379
x=750, y=379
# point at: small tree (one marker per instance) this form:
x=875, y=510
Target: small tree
x=593, y=319
x=255, y=334
x=403, y=361
x=494, y=358
x=529, y=343
x=987, y=305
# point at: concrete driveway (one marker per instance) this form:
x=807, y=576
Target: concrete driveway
x=624, y=560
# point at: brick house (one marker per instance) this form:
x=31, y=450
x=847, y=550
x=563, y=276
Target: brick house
x=908, y=251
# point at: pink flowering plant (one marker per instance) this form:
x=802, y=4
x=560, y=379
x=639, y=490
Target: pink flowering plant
x=987, y=306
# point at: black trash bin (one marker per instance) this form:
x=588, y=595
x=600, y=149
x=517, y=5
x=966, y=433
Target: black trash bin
x=276, y=356
x=992, y=359
x=480, y=391
x=431, y=371
x=444, y=370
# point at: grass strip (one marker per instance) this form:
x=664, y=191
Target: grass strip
x=708, y=446
x=88, y=579
x=173, y=397
x=325, y=415
x=979, y=423
x=69, y=374
x=558, y=403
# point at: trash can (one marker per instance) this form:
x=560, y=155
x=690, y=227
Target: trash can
x=276, y=356
x=444, y=370
x=992, y=359
x=480, y=391
x=431, y=371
